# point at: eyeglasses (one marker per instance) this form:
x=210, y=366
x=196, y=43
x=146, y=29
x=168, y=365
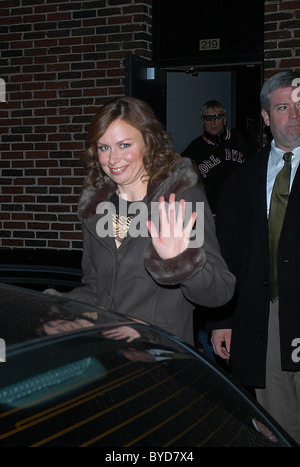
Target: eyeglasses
x=208, y=118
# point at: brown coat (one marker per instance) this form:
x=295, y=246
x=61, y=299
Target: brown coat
x=133, y=280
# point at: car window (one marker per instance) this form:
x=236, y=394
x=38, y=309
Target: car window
x=87, y=389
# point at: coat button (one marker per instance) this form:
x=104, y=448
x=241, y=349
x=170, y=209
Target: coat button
x=265, y=282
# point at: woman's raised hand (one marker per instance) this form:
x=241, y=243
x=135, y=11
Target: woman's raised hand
x=172, y=238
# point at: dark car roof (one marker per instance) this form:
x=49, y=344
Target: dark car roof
x=41, y=268
x=89, y=387
x=24, y=312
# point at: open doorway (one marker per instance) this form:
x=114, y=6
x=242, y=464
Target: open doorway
x=177, y=96
x=238, y=90
x=186, y=94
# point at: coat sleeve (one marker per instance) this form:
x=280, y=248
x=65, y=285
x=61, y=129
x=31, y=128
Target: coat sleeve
x=227, y=222
x=87, y=293
x=200, y=271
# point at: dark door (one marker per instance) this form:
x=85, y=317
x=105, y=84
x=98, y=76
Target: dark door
x=147, y=82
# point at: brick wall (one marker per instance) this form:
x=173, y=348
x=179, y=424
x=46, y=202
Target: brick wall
x=60, y=60
x=282, y=36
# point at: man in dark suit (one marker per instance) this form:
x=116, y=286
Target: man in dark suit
x=261, y=337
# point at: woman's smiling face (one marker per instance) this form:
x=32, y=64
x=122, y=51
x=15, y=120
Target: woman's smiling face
x=121, y=152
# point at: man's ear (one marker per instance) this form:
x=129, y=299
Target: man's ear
x=265, y=116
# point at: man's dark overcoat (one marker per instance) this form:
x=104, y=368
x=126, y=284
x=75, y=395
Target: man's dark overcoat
x=242, y=230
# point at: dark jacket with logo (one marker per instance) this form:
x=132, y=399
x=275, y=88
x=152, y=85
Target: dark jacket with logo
x=134, y=281
x=216, y=157
x=242, y=230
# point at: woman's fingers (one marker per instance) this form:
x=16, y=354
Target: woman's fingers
x=172, y=222
x=171, y=237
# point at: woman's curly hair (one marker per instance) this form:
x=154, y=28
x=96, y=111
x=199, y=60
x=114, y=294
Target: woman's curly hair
x=159, y=157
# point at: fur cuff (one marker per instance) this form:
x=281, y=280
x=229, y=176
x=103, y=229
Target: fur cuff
x=174, y=270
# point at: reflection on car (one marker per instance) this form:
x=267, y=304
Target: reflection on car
x=77, y=375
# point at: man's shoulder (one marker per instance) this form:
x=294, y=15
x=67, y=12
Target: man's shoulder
x=244, y=141
x=259, y=158
x=256, y=164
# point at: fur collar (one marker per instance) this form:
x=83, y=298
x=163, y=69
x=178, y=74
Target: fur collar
x=179, y=180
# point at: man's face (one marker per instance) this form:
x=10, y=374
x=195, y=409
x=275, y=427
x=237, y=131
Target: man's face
x=284, y=118
x=213, y=126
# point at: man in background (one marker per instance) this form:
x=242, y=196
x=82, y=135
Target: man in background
x=218, y=150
